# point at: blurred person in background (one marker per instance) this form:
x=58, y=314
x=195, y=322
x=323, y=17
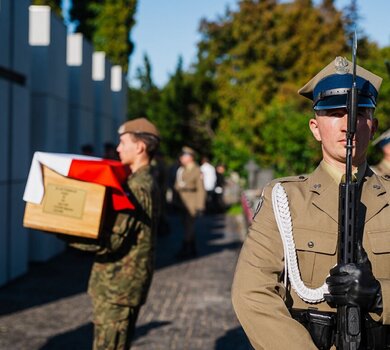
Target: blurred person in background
x=87, y=150
x=219, y=188
x=383, y=143
x=189, y=197
x=110, y=151
x=209, y=180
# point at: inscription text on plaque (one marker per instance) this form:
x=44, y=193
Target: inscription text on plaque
x=64, y=201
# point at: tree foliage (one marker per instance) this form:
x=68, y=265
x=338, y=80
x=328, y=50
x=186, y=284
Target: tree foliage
x=54, y=4
x=239, y=99
x=258, y=57
x=107, y=23
x=171, y=108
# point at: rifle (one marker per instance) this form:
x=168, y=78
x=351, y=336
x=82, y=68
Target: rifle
x=348, y=335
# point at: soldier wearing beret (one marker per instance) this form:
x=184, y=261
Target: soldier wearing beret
x=383, y=142
x=189, y=197
x=123, y=267
x=273, y=314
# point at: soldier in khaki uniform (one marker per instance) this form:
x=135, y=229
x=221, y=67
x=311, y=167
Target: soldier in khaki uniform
x=189, y=197
x=123, y=267
x=383, y=142
x=273, y=314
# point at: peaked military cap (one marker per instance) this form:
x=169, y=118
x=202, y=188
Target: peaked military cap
x=139, y=126
x=329, y=88
x=383, y=139
x=188, y=150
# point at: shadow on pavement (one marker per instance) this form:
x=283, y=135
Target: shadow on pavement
x=68, y=273
x=234, y=339
x=78, y=339
x=62, y=276
x=81, y=338
x=210, y=232
x=146, y=328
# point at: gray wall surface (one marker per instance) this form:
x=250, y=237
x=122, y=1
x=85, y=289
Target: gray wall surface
x=48, y=99
x=14, y=136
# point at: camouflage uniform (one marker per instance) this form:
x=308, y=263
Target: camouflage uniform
x=123, y=267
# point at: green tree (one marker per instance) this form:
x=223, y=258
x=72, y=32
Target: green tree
x=376, y=62
x=107, y=23
x=258, y=56
x=54, y=4
x=175, y=115
x=82, y=17
x=144, y=99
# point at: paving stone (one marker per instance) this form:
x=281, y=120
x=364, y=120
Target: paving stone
x=188, y=306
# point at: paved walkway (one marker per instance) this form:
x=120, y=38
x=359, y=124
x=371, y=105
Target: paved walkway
x=188, y=305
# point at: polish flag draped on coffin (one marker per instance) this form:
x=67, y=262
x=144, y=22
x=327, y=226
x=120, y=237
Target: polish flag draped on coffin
x=65, y=193
x=109, y=173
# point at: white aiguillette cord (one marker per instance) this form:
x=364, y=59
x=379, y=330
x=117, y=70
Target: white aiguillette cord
x=283, y=220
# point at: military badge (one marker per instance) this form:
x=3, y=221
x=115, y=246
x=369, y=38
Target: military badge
x=341, y=65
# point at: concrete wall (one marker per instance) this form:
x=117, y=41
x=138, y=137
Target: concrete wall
x=81, y=97
x=119, y=97
x=14, y=136
x=48, y=101
x=101, y=76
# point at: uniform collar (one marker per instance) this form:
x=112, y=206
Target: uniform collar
x=337, y=174
x=140, y=170
x=385, y=164
x=190, y=166
x=324, y=185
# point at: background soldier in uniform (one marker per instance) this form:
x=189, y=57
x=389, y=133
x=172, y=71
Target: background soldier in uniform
x=123, y=267
x=270, y=311
x=383, y=142
x=189, y=197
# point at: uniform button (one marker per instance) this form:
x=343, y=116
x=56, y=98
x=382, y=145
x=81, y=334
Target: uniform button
x=377, y=187
x=317, y=186
x=310, y=244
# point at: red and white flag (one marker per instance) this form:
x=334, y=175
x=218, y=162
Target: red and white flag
x=110, y=173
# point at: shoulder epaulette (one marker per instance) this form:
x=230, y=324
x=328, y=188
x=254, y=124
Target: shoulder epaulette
x=297, y=178
x=386, y=177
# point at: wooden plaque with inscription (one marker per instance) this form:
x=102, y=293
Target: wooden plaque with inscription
x=69, y=206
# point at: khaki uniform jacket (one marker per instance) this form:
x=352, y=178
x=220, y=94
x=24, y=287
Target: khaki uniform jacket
x=189, y=189
x=259, y=296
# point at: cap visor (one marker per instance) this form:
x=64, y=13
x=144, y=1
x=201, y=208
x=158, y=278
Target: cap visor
x=340, y=101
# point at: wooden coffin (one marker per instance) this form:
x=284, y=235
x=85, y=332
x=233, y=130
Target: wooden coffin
x=69, y=206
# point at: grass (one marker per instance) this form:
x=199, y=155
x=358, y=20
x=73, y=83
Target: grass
x=235, y=209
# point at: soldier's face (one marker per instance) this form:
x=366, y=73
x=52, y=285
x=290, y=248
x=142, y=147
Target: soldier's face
x=128, y=148
x=186, y=159
x=330, y=127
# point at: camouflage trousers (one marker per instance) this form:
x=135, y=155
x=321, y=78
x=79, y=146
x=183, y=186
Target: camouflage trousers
x=114, y=325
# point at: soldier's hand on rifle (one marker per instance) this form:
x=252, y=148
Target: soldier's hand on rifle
x=354, y=284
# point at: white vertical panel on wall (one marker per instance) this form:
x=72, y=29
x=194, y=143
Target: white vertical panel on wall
x=81, y=105
x=49, y=105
